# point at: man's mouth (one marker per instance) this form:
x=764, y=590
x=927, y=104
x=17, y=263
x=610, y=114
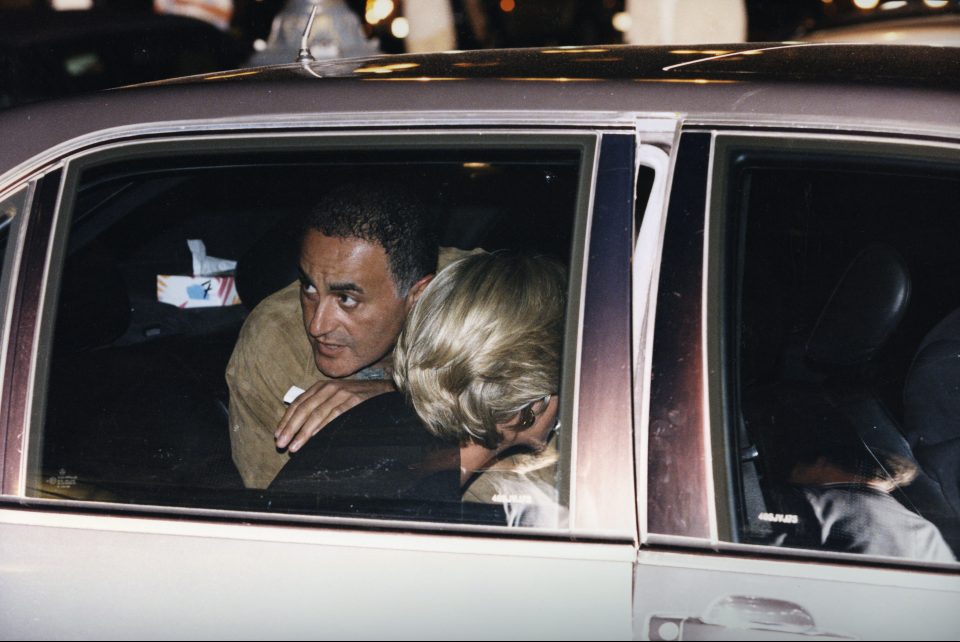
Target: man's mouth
x=329, y=350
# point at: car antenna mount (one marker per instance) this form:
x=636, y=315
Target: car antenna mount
x=304, y=54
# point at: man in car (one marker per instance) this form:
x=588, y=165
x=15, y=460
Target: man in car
x=367, y=253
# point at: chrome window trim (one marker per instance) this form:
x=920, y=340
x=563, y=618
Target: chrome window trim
x=645, y=276
x=568, y=458
x=56, y=243
x=413, y=121
x=589, y=140
x=234, y=525
x=790, y=558
x=11, y=277
x=705, y=346
x=34, y=230
x=761, y=124
x=883, y=571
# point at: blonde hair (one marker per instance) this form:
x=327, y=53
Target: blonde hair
x=483, y=341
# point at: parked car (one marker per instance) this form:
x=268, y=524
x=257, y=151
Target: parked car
x=940, y=30
x=762, y=249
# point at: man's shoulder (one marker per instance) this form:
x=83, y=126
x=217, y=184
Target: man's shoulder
x=282, y=307
x=272, y=338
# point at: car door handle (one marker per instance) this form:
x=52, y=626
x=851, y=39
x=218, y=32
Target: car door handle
x=740, y=617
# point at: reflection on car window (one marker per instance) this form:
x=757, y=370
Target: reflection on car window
x=10, y=207
x=176, y=366
x=844, y=267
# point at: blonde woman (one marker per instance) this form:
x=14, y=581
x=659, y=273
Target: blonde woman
x=479, y=360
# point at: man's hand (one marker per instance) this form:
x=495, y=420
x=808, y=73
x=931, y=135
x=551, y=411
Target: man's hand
x=323, y=402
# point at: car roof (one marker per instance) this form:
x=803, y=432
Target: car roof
x=903, y=88
x=918, y=66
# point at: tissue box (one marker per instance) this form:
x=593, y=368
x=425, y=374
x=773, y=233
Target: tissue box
x=197, y=291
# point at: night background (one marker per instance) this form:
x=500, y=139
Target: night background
x=50, y=48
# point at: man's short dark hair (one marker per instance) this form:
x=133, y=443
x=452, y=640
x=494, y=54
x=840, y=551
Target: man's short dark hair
x=384, y=213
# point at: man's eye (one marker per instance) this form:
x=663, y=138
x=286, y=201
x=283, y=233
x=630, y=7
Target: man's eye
x=348, y=301
x=308, y=288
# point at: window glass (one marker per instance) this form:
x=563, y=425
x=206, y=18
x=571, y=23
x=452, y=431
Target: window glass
x=843, y=292
x=165, y=387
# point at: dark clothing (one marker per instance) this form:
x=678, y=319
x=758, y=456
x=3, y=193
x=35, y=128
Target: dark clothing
x=855, y=518
x=377, y=450
x=932, y=407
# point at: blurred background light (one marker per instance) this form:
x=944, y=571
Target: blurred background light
x=400, y=27
x=622, y=21
x=378, y=10
x=72, y=5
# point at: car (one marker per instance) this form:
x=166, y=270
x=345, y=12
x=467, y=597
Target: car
x=941, y=30
x=761, y=248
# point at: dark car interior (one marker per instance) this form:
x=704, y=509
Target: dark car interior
x=845, y=267
x=136, y=407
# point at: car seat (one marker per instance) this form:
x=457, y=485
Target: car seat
x=828, y=381
x=932, y=406
x=131, y=418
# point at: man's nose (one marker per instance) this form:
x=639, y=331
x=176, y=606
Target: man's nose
x=322, y=321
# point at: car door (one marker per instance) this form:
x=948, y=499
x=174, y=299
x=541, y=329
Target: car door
x=799, y=275
x=120, y=512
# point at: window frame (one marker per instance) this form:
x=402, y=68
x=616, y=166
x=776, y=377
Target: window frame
x=8, y=283
x=720, y=381
x=589, y=140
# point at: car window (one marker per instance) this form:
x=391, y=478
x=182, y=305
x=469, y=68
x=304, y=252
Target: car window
x=840, y=291
x=169, y=250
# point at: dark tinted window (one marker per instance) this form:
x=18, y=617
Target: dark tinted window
x=842, y=282
x=136, y=402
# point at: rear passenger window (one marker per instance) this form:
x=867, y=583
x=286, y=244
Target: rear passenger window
x=842, y=307
x=168, y=251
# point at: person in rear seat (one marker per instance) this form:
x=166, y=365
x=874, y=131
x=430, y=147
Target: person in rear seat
x=479, y=360
x=367, y=252
x=841, y=493
x=478, y=369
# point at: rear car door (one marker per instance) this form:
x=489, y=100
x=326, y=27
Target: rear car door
x=803, y=322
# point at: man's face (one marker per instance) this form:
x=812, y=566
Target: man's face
x=352, y=311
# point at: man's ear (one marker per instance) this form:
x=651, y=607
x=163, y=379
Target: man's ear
x=416, y=290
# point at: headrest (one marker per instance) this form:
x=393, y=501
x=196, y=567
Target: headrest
x=94, y=307
x=468, y=226
x=863, y=310
x=268, y=266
